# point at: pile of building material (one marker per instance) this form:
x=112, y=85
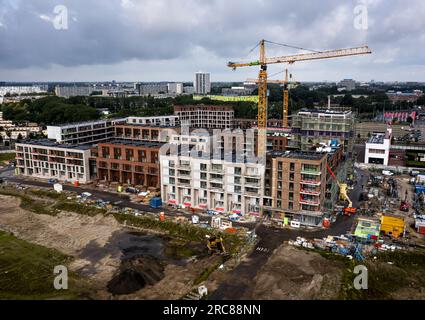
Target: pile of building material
x=302, y=242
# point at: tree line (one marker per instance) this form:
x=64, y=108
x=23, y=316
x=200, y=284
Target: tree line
x=53, y=110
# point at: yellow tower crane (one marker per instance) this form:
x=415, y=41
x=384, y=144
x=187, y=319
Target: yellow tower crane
x=286, y=85
x=263, y=62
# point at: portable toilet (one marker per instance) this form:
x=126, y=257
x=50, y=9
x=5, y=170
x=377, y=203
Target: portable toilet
x=155, y=202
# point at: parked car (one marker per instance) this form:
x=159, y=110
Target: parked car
x=52, y=181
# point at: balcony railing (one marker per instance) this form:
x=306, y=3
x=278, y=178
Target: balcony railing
x=310, y=202
x=311, y=192
x=310, y=171
x=312, y=182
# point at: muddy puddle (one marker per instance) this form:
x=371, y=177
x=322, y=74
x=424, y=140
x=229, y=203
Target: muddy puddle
x=142, y=256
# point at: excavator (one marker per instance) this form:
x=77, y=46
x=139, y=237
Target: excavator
x=349, y=209
x=215, y=245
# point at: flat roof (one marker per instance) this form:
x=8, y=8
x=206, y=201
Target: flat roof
x=306, y=155
x=230, y=157
x=54, y=144
x=146, y=125
x=133, y=143
x=377, y=138
x=325, y=111
x=73, y=124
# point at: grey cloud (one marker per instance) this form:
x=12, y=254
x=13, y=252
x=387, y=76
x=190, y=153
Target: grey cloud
x=112, y=32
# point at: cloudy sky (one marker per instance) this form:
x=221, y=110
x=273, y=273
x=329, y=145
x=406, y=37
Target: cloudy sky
x=154, y=40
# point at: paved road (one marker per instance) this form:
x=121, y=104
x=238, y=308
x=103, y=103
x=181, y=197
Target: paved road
x=340, y=226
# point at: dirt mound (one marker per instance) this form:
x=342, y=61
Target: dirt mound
x=297, y=274
x=135, y=274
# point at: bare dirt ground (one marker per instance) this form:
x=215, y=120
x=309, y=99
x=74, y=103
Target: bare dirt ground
x=67, y=232
x=97, y=243
x=293, y=274
x=289, y=274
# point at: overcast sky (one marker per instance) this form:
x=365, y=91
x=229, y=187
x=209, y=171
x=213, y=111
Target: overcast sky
x=155, y=40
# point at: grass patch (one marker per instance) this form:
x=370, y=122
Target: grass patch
x=28, y=203
x=383, y=278
x=205, y=274
x=6, y=157
x=27, y=271
x=180, y=250
x=79, y=208
x=47, y=194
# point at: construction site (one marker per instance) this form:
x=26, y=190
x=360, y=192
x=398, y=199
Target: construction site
x=293, y=225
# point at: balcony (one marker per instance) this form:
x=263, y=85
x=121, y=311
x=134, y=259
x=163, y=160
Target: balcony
x=311, y=182
x=181, y=182
x=183, y=174
x=310, y=202
x=217, y=169
x=311, y=171
x=310, y=192
x=184, y=166
x=252, y=184
x=252, y=173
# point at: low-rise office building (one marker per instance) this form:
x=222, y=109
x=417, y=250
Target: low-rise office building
x=378, y=148
x=49, y=160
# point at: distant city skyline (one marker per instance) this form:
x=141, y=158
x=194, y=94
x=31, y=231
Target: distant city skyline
x=158, y=40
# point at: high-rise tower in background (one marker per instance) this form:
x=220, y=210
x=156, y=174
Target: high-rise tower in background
x=202, y=83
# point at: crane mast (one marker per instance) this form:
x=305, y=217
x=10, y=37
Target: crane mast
x=285, y=100
x=262, y=81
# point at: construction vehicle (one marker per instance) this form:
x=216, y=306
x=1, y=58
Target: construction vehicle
x=264, y=61
x=215, y=245
x=404, y=206
x=349, y=209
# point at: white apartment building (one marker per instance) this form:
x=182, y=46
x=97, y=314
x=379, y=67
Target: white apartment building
x=16, y=130
x=169, y=121
x=213, y=184
x=216, y=172
x=175, y=88
x=21, y=89
x=205, y=116
x=73, y=91
x=48, y=160
x=83, y=132
x=101, y=130
x=348, y=84
x=146, y=89
x=202, y=83
x=378, y=148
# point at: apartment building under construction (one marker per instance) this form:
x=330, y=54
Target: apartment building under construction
x=313, y=126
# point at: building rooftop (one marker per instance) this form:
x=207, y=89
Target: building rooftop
x=230, y=157
x=306, y=155
x=153, y=126
x=378, y=138
x=133, y=143
x=325, y=111
x=73, y=124
x=54, y=144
